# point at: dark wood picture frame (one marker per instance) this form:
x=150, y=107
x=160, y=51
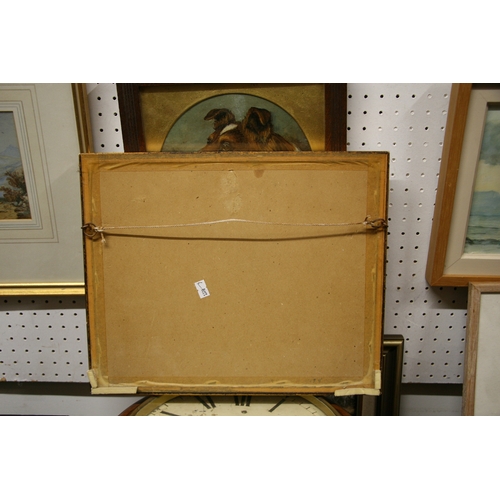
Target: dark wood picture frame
x=133, y=132
x=392, y=371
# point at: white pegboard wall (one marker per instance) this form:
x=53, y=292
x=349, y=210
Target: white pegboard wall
x=105, y=118
x=43, y=339
x=408, y=121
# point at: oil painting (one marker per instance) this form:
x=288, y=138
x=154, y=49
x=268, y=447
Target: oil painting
x=14, y=202
x=235, y=122
x=483, y=232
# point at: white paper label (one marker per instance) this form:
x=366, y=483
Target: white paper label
x=201, y=286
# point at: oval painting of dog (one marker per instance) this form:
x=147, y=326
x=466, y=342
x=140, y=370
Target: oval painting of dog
x=235, y=122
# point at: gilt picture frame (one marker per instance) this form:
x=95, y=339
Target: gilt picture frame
x=44, y=129
x=148, y=111
x=464, y=244
x=480, y=390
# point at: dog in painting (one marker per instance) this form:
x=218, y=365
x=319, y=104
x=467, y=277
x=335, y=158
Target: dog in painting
x=254, y=133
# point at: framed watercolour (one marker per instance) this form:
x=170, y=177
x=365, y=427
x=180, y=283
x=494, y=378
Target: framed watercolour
x=465, y=238
x=194, y=117
x=235, y=273
x=43, y=130
x=481, y=376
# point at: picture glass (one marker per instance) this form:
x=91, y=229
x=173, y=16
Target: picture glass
x=184, y=117
x=483, y=232
x=235, y=122
x=14, y=202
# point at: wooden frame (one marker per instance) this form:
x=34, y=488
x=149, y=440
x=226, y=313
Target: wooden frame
x=298, y=273
x=448, y=263
x=41, y=253
x=481, y=377
x=388, y=403
x=135, y=137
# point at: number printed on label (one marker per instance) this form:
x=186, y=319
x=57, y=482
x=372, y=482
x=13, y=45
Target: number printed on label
x=202, y=289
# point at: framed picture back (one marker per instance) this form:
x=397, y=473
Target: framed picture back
x=235, y=273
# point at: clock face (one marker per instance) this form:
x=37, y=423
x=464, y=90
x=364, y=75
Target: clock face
x=241, y=406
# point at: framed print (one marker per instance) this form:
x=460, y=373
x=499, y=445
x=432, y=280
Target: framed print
x=43, y=130
x=481, y=376
x=465, y=238
x=235, y=273
x=233, y=117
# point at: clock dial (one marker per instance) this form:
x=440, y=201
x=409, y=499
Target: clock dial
x=240, y=405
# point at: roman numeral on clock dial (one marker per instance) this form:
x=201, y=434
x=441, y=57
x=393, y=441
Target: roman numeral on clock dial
x=242, y=400
x=206, y=401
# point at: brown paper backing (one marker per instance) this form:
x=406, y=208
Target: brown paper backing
x=291, y=308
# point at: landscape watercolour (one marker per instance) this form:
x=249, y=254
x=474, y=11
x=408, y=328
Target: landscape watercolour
x=14, y=202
